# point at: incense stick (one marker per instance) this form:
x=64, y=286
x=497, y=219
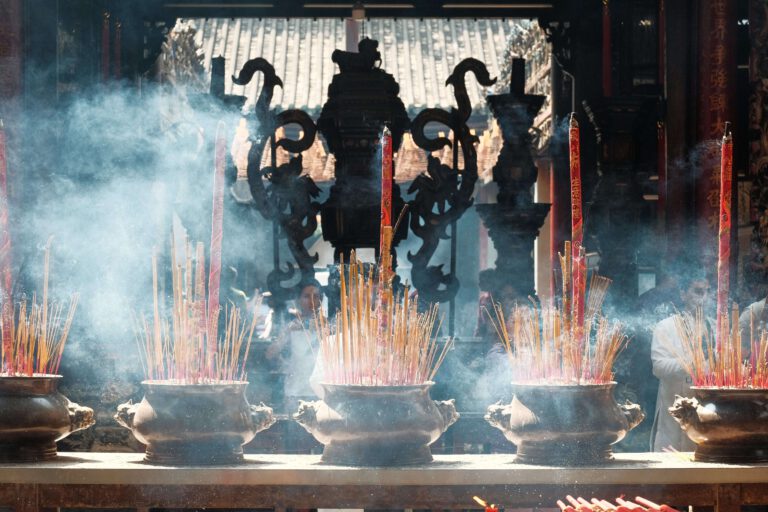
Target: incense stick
x=722, y=365
x=545, y=345
x=380, y=338
x=38, y=331
x=183, y=350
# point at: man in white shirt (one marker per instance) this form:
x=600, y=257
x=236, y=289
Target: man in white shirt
x=666, y=350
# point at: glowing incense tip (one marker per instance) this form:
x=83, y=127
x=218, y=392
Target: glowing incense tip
x=572, y=120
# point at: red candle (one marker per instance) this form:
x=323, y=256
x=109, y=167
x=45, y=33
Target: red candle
x=577, y=231
x=118, y=50
x=606, y=47
x=386, y=177
x=105, y=47
x=385, y=231
x=217, y=232
x=724, y=234
x=5, y=257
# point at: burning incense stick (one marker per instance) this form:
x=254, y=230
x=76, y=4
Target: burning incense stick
x=38, y=333
x=379, y=339
x=184, y=351
x=724, y=232
x=217, y=231
x=544, y=346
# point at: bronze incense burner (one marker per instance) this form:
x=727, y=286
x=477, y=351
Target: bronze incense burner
x=194, y=423
x=34, y=416
x=728, y=425
x=564, y=424
x=376, y=425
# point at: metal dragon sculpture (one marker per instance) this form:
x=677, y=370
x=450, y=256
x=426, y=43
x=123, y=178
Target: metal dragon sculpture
x=444, y=193
x=280, y=193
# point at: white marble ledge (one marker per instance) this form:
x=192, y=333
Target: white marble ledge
x=448, y=470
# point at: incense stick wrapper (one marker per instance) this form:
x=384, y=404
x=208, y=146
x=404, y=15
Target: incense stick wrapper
x=577, y=231
x=217, y=231
x=724, y=233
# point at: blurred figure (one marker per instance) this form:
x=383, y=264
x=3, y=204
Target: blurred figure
x=484, y=328
x=662, y=300
x=294, y=352
x=666, y=350
x=633, y=368
x=752, y=322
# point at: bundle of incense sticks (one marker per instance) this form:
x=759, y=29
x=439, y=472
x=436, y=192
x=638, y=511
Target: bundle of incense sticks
x=724, y=364
x=184, y=350
x=38, y=332
x=640, y=504
x=379, y=338
x=545, y=345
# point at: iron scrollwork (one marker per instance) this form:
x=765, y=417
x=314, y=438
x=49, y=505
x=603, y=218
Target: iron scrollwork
x=443, y=194
x=289, y=199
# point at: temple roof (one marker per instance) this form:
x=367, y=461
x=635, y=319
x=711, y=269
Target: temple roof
x=419, y=53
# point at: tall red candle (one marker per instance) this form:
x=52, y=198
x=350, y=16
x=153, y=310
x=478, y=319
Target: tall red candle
x=724, y=233
x=118, y=50
x=385, y=232
x=217, y=232
x=5, y=256
x=386, y=177
x=105, y=47
x=606, y=47
x=577, y=231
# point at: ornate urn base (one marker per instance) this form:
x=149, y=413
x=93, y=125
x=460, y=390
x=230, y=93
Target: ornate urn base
x=376, y=425
x=727, y=425
x=564, y=425
x=34, y=416
x=197, y=424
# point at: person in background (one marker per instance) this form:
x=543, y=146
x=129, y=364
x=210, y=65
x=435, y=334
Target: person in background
x=666, y=350
x=293, y=353
x=633, y=368
x=663, y=299
x=752, y=322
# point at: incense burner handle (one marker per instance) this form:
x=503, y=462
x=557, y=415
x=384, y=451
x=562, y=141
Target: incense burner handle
x=80, y=417
x=125, y=414
x=499, y=415
x=306, y=416
x=262, y=417
x=448, y=412
x=632, y=413
x=686, y=412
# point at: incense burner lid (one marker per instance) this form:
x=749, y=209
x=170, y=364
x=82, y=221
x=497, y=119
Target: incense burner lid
x=376, y=425
x=728, y=425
